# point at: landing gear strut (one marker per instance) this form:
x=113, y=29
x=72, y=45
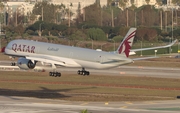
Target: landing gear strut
x=55, y=74
x=83, y=72
x=13, y=64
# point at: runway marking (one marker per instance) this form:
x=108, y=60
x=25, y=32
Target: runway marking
x=43, y=103
x=123, y=107
x=141, y=67
x=106, y=103
x=122, y=73
x=128, y=102
x=84, y=104
x=149, y=102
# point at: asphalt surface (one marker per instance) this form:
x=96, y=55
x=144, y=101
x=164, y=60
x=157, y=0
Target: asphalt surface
x=120, y=71
x=9, y=104
x=133, y=71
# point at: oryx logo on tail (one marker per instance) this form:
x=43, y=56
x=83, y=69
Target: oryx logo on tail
x=126, y=44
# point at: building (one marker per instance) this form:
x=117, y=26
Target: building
x=139, y=3
x=26, y=7
x=22, y=7
x=73, y=4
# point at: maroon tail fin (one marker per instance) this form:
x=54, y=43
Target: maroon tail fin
x=126, y=44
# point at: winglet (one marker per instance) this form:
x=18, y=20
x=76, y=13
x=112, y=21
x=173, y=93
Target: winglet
x=173, y=42
x=126, y=44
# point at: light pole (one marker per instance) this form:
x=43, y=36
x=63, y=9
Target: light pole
x=91, y=42
x=178, y=50
x=5, y=3
x=141, y=48
x=83, y=26
x=114, y=43
x=78, y=43
x=102, y=45
x=40, y=29
x=42, y=13
x=0, y=42
x=0, y=36
x=170, y=47
x=172, y=23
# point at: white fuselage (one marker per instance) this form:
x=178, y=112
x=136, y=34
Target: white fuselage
x=67, y=56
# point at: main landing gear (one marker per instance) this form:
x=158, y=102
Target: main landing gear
x=83, y=72
x=55, y=74
x=80, y=72
x=13, y=64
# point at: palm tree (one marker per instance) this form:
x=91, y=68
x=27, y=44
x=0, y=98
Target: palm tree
x=159, y=2
x=122, y=4
x=133, y=7
x=147, y=1
x=176, y=1
x=132, y=1
x=109, y=2
x=1, y=10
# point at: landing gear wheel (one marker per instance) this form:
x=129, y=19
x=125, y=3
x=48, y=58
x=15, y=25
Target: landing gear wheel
x=87, y=73
x=13, y=64
x=83, y=72
x=78, y=72
x=55, y=74
x=50, y=73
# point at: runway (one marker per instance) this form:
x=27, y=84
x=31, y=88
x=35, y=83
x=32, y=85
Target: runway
x=11, y=104
x=120, y=71
x=133, y=71
x=33, y=105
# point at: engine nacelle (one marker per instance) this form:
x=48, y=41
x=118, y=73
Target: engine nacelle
x=26, y=64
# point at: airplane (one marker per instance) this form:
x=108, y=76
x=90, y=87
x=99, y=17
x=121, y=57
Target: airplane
x=30, y=52
x=132, y=51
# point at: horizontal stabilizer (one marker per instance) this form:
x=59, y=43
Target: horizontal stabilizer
x=151, y=48
x=112, y=61
x=144, y=58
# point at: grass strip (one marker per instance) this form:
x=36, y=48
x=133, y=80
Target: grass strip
x=89, y=88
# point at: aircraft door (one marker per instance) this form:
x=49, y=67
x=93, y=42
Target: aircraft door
x=71, y=55
x=101, y=59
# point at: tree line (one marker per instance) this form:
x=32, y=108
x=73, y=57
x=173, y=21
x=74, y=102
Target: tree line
x=95, y=22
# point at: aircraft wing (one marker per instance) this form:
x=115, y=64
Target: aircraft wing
x=142, y=49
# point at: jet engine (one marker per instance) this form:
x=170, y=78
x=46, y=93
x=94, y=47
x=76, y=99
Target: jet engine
x=26, y=64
